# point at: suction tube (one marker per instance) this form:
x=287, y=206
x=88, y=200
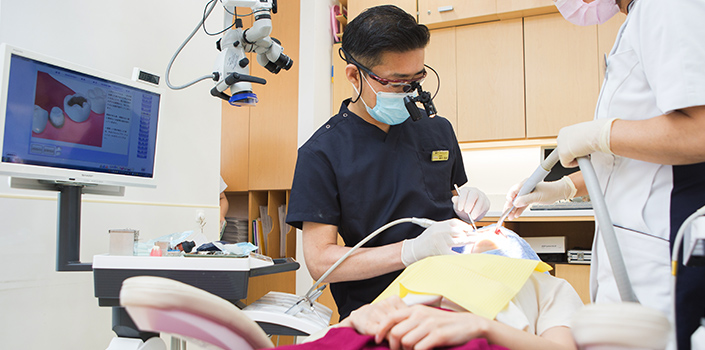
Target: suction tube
x=602, y=217
x=604, y=221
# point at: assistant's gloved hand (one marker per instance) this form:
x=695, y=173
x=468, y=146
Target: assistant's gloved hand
x=544, y=193
x=437, y=239
x=581, y=139
x=470, y=203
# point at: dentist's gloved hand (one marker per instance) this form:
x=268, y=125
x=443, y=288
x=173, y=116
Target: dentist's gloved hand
x=545, y=193
x=581, y=139
x=470, y=203
x=437, y=239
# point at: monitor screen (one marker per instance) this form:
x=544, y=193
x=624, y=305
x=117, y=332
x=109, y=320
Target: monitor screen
x=558, y=171
x=67, y=123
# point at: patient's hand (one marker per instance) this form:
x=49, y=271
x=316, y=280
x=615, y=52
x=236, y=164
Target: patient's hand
x=369, y=319
x=421, y=327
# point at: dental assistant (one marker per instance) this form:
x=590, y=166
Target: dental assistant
x=648, y=147
x=371, y=164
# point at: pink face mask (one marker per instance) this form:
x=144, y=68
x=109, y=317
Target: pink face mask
x=584, y=14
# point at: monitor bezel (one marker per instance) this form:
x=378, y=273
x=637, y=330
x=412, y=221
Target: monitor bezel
x=65, y=175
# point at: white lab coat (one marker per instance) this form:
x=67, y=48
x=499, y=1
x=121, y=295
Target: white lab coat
x=656, y=66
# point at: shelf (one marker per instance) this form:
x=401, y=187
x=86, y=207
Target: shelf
x=552, y=217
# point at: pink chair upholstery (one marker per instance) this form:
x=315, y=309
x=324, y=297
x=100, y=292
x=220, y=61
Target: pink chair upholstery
x=160, y=304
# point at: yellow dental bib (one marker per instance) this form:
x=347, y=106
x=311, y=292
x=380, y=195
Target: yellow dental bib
x=481, y=283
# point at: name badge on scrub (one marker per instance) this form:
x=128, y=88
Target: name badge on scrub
x=439, y=156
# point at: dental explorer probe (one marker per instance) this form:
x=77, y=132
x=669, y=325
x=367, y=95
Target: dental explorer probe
x=530, y=184
x=472, y=222
x=315, y=291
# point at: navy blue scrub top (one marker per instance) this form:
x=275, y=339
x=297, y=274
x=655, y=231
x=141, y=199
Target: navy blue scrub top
x=355, y=176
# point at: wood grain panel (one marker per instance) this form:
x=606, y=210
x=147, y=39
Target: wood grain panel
x=274, y=121
x=490, y=82
x=440, y=55
x=445, y=13
x=561, y=66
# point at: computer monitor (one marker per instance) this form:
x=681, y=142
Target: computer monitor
x=70, y=124
x=558, y=171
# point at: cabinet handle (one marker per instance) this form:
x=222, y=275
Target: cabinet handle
x=445, y=9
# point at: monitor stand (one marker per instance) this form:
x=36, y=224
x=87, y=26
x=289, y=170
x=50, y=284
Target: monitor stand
x=68, y=238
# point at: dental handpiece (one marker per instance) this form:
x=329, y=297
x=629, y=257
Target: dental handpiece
x=530, y=184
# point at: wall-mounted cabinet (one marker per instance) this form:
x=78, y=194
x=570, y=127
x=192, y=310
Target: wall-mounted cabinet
x=490, y=75
x=357, y=6
x=518, y=78
x=440, y=56
x=561, y=70
x=523, y=8
x=444, y=13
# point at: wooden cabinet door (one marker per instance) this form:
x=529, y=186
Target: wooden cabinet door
x=522, y=8
x=274, y=121
x=234, y=147
x=444, y=13
x=561, y=74
x=440, y=55
x=340, y=86
x=490, y=73
x=357, y=6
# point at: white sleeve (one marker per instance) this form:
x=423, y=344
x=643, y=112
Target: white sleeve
x=223, y=185
x=671, y=49
x=558, y=302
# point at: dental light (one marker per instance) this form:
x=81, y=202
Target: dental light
x=231, y=69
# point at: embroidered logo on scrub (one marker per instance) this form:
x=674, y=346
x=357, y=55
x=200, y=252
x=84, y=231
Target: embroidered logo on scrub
x=439, y=156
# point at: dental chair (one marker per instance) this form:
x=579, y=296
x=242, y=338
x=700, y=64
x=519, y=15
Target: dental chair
x=160, y=304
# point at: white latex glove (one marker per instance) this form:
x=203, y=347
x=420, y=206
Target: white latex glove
x=544, y=193
x=470, y=203
x=437, y=239
x=581, y=139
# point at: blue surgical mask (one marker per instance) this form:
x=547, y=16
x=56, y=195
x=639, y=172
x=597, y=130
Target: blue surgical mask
x=390, y=107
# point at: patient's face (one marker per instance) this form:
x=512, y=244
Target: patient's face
x=488, y=239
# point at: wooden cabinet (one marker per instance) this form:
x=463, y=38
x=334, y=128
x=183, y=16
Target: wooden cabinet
x=440, y=55
x=449, y=13
x=234, y=147
x=490, y=81
x=518, y=78
x=561, y=74
x=524, y=8
x=357, y=6
x=340, y=86
x=578, y=233
x=445, y=13
x=578, y=276
x=258, y=149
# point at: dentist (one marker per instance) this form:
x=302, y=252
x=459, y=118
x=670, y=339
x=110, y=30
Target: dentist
x=648, y=148
x=371, y=164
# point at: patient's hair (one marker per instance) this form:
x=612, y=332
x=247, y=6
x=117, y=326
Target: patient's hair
x=381, y=29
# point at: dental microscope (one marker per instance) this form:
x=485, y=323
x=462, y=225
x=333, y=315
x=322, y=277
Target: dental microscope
x=231, y=69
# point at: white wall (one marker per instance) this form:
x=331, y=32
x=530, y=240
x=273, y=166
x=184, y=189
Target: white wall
x=42, y=308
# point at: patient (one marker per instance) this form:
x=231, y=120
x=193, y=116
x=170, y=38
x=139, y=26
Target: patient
x=537, y=317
